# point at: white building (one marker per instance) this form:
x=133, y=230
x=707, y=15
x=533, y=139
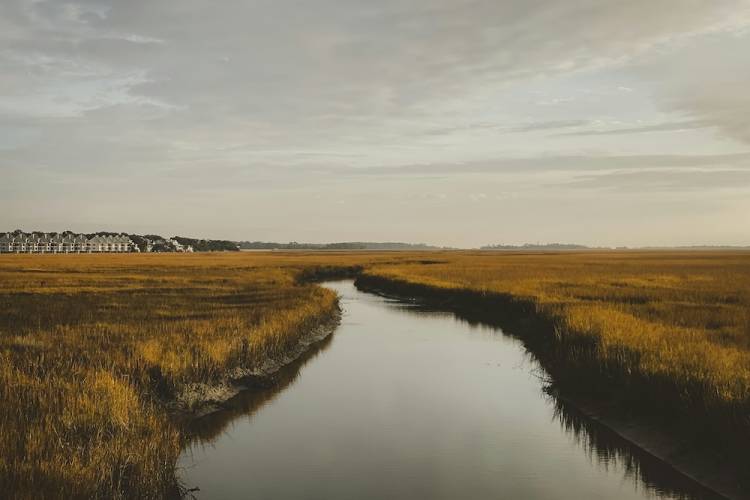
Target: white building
x=64, y=243
x=179, y=247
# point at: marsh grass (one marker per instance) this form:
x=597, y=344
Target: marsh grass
x=92, y=347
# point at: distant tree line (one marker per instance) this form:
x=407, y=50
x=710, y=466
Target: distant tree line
x=200, y=245
x=349, y=245
x=537, y=246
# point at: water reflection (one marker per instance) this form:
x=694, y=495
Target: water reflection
x=608, y=450
x=411, y=402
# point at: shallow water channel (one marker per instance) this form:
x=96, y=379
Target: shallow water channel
x=403, y=403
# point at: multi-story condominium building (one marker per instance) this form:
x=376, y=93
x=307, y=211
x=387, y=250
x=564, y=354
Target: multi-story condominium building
x=18, y=242
x=110, y=244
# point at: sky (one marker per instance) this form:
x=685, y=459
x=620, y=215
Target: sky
x=452, y=122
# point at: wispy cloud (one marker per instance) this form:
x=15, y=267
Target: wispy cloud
x=548, y=125
x=561, y=164
x=640, y=129
x=667, y=180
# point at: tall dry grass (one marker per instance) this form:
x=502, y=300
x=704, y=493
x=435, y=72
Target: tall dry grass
x=92, y=347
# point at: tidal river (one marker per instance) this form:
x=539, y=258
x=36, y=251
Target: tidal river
x=407, y=403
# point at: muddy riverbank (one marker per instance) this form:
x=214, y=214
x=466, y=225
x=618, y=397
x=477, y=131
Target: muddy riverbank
x=197, y=400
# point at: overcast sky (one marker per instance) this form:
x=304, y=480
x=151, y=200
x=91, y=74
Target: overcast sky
x=452, y=122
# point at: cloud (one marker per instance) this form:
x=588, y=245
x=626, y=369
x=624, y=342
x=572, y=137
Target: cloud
x=275, y=97
x=549, y=125
x=562, y=164
x=658, y=127
x=705, y=81
x=535, y=126
x=670, y=180
x=353, y=60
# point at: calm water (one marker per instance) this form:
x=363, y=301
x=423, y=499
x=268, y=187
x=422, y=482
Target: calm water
x=407, y=403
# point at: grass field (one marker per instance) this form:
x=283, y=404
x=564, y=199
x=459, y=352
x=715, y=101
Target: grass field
x=93, y=346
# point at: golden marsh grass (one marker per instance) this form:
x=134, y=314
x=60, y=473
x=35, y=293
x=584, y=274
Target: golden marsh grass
x=92, y=346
